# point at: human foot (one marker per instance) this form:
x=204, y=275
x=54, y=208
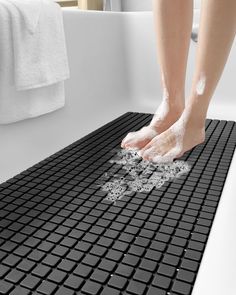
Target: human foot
x=182, y=136
x=166, y=115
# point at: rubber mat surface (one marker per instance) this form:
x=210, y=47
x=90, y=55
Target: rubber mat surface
x=58, y=234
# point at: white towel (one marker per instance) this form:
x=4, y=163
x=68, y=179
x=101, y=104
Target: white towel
x=19, y=105
x=40, y=57
x=30, y=11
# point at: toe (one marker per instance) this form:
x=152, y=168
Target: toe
x=136, y=143
x=138, y=139
x=123, y=142
x=179, y=155
x=146, y=154
x=150, y=153
x=127, y=139
x=168, y=157
x=148, y=146
x=130, y=144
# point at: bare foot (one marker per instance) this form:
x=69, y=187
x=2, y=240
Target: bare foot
x=164, y=117
x=182, y=136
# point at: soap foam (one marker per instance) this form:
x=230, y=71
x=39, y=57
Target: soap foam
x=161, y=111
x=138, y=175
x=200, y=87
x=165, y=91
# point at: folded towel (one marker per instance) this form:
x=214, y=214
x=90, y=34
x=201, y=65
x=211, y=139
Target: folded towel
x=30, y=11
x=19, y=105
x=40, y=57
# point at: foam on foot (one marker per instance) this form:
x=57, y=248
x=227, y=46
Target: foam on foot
x=139, y=138
x=163, y=118
x=173, y=143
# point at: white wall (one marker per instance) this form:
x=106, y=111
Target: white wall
x=136, y=5
x=143, y=5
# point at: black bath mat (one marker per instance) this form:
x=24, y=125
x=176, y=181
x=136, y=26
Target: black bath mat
x=58, y=234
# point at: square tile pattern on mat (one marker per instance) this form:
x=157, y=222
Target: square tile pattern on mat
x=58, y=234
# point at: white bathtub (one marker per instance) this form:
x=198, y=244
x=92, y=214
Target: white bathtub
x=113, y=66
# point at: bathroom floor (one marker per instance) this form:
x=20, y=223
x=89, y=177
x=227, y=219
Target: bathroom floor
x=60, y=235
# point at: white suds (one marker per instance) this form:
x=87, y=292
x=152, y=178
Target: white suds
x=165, y=91
x=138, y=175
x=161, y=111
x=200, y=87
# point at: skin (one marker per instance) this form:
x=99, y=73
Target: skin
x=173, y=25
x=216, y=34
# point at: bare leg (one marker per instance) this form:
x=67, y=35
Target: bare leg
x=173, y=23
x=216, y=35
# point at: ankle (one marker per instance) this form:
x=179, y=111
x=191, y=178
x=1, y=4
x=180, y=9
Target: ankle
x=176, y=106
x=175, y=96
x=194, y=119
